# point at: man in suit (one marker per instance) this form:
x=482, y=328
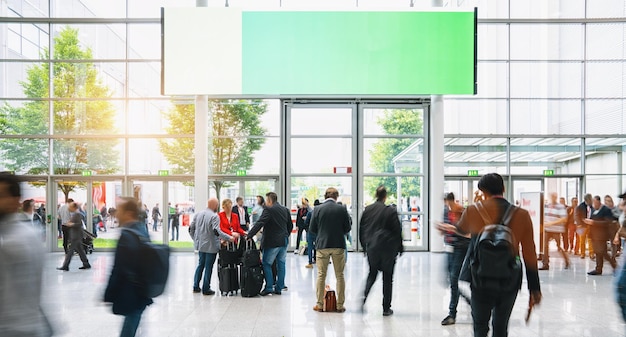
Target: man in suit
x=380, y=233
x=582, y=212
x=277, y=225
x=330, y=222
x=121, y=291
x=485, y=302
x=206, y=234
x=599, y=222
x=75, y=226
x=242, y=213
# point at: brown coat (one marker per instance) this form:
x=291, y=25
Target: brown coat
x=520, y=224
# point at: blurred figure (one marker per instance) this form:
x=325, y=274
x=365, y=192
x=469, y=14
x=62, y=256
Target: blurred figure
x=459, y=243
x=582, y=212
x=304, y=209
x=621, y=275
x=614, y=225
x=257, y=210
x=33, y=219
x=122, y=290
x=21, y=268
x=75, y=226
x=554, y=223
x=497, y=305
x=565, y=235
x=381, y=237
x=599, y=223
x=156, y=214
x=64, y=216
x=571, y=228
x=310, y=237
x=143, y=214
x=330, y=222
x=175, y=223
x=206, y=234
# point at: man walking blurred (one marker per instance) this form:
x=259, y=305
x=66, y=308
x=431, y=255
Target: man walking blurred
x=20, y=268
x=381, y=238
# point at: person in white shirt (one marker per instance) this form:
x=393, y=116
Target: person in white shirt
x=554, y=222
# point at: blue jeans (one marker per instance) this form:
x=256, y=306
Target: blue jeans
x=455, y=262
x=310, y=242
x=269, y=255
x=205, y=263
x=131, y=323
x=154, y=224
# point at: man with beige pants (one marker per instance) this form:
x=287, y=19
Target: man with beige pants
x=330, y=222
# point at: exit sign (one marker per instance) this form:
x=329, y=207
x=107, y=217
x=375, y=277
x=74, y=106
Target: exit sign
x=472, y=173
x=87, y=173
x=241, y=173
x=548, y=173
x=164, y=173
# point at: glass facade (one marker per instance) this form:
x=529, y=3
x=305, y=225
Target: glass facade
x=80, y=109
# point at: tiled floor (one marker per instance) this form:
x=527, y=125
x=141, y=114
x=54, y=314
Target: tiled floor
x=574, y=304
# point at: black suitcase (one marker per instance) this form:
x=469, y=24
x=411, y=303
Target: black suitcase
x=251, y=255
x=230, y=255
x=228, y=279
x=251, y=281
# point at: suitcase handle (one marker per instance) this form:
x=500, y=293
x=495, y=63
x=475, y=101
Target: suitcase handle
x=250, y=244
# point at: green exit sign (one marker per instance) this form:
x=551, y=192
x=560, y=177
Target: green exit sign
x=472, y=173
x=548, y=173
x=164, y=173
x=87, y=173
x=241, y=173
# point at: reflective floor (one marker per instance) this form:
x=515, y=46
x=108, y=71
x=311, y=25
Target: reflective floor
x=574, y=304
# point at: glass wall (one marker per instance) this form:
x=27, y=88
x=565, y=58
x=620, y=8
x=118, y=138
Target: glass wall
x=550, y=96
x=80, y=104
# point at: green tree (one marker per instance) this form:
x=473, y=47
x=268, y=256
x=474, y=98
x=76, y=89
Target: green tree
x=233, y=122
x=73, y=82
x=382, y=153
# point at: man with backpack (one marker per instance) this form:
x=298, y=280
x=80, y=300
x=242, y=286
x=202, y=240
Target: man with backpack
x=125, y=289
x=493, y=264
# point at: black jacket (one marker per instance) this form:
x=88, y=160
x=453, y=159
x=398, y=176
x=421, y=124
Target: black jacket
x=124, y=294
x=380, y=229
x=245, y=208
x=330, y=222
x=276, y=224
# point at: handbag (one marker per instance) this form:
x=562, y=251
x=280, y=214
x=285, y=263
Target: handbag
x=330, y=300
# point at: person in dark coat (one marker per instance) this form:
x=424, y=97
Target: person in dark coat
x=330, y=222
x=121, y=291
x=381, y=238
x=75, y=231
x=276, y=224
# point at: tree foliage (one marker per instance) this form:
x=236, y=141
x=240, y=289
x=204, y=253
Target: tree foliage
x=233, y=122
x=72, y=115
x=382, y=153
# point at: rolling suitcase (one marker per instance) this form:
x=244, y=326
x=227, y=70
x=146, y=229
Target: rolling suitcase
x=228, y=279
x=251, y=271
x=229, y=255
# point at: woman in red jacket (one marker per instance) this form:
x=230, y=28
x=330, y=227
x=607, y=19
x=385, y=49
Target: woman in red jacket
x=229, y=221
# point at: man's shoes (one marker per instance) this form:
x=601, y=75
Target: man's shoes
x=582, y=256
x=594, y=272
x=265, y=293
x=449, y=320
x=285, y=288
x=308, y=266
x=63, y=268
x=340, y=310
x=318, y=309
x=387, y=312
x=277, y=292
x=208, y=292
x=87, y=266
x=295, y=252
x=196, y=290
x=545, y=267
x=567, y=265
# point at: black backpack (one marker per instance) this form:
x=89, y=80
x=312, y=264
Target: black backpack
x=154, y=266
x=493, y=257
